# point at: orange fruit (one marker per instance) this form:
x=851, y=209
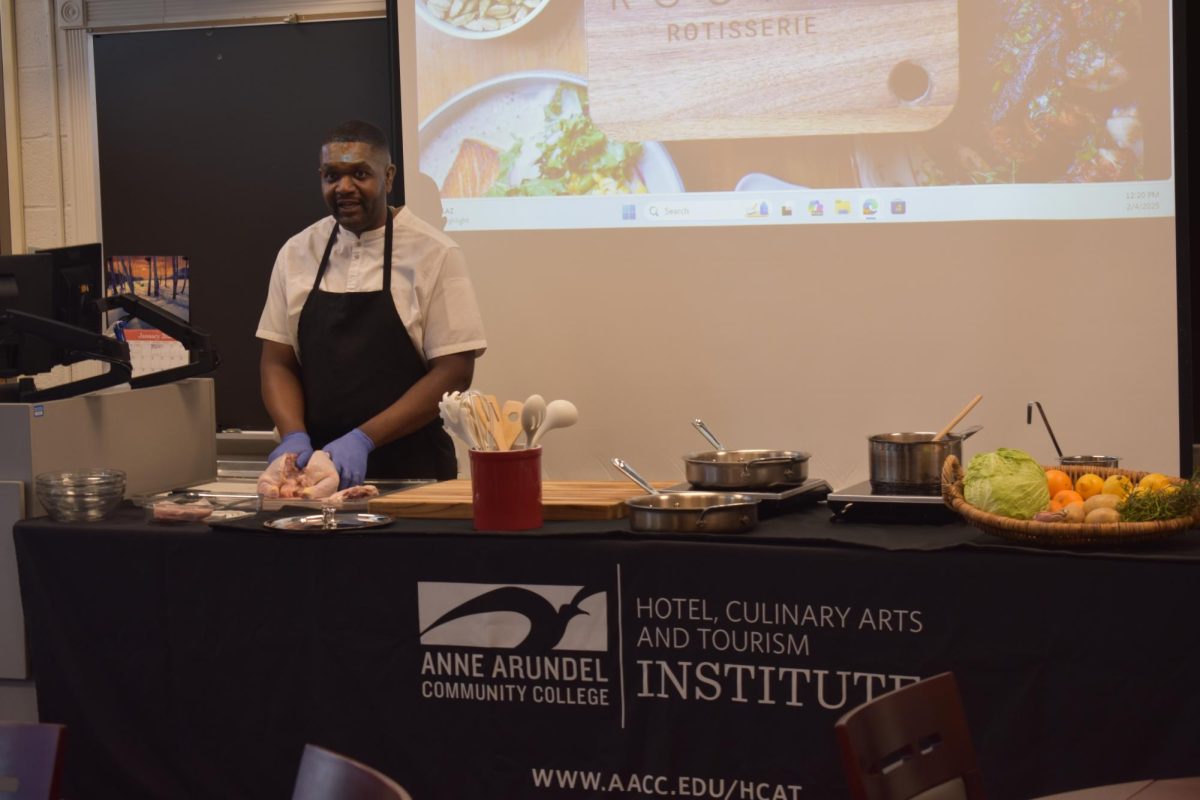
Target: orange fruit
x=1088, y=485
x=1064, y=498
x=1057, y=480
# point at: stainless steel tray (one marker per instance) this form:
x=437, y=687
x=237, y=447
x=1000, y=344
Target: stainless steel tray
x=335, y=521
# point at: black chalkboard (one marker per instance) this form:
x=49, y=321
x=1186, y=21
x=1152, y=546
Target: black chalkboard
x=208, y=148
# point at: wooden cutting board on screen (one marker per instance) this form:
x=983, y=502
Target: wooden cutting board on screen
x=722, y=69
x=561, y=500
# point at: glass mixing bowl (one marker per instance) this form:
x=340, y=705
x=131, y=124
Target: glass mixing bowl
x=80, y=495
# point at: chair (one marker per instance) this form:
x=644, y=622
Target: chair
x=910, y=744
x=30, y=760
x=325, y=775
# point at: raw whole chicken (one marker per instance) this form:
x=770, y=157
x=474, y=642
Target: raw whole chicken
x=317, y=481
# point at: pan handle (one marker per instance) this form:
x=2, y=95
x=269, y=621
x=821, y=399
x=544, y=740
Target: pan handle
x=699, y=425
x=700, y=522
x=971, y=431
x=1049, y=430
x=774, y=460
x=633, y=475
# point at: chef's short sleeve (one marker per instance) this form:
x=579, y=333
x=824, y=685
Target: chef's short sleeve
x=453, y=322
x=273, y=324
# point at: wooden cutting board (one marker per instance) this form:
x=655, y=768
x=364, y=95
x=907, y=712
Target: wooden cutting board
x=719, y=69
x=561, y=500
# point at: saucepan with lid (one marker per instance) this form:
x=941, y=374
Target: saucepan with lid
x=687, y=511
x=743, y=469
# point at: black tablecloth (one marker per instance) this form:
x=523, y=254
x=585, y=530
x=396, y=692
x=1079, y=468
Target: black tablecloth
x=195, y=663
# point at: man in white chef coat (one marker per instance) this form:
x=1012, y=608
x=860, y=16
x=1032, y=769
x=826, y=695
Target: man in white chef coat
x=370, y=317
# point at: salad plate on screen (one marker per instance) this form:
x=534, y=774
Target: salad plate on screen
x=528, y=134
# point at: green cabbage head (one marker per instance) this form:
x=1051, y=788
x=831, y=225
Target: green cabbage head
x=1007, y=482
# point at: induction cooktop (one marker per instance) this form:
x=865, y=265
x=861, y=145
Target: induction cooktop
x=863, y=502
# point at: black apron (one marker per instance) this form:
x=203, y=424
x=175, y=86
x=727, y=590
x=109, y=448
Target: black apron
x=356, y=359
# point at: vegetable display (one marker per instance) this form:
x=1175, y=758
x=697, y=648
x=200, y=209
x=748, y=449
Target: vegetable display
x=1006, y=483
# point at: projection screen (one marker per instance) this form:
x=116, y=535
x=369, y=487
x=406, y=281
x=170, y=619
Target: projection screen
x=809, y=221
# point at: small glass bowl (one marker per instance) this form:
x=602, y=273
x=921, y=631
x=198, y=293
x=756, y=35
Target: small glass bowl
x=80, y=495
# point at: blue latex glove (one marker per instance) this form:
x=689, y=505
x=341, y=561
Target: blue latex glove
x=295, y=442
x=349, y=454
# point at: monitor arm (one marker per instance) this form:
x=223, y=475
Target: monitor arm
x=202, y=357
x=79, y=345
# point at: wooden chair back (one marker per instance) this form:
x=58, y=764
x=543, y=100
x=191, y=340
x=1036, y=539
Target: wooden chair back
x=913, y=742
x=326, y=775
x=30, y=760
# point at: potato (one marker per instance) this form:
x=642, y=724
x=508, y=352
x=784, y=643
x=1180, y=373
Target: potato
x=1102, y=515
x=1100, y=501
x=1073, y=512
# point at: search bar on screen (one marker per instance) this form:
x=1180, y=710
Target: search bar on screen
x=705, y=211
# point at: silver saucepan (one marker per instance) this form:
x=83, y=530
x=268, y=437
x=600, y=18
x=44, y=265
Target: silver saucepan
x=743, y=469
x=687, y=511
x=911, y=463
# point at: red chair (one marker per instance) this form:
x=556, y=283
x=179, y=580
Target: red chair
x=910, y=743
x=325, y=775
x=30, y=760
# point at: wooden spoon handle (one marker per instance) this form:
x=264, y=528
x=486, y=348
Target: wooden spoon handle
x=966, y=410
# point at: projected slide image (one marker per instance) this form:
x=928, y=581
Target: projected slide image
x=633, y=97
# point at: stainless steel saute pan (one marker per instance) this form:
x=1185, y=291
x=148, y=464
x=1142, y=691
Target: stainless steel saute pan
x=687, y=511
x=743, y=469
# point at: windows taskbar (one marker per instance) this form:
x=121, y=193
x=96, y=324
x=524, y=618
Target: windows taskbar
x=817, y=206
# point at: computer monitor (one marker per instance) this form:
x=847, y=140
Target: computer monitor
x=78, y=272
x=26, y=284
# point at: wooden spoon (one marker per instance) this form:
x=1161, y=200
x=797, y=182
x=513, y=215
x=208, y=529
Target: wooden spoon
x=966, y=410
x=510, y=423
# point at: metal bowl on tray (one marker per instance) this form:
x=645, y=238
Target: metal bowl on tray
x=743, y=469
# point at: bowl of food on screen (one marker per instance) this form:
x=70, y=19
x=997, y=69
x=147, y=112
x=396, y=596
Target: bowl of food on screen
x=479, y=19
x=529, y=134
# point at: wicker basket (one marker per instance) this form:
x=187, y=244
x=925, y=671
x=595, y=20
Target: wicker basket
x=1059, y=534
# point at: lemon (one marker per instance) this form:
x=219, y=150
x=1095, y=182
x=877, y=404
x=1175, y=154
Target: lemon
x=1118, y=485
x=1088, y=485
x=1154, y=481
